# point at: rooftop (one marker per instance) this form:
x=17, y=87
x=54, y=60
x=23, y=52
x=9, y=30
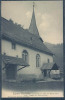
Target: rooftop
x=14, y=32
x=50, y=66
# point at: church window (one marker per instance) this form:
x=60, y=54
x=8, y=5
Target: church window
x=37, y=60
x=48, y=60
x=25, y=56
x=13, y=46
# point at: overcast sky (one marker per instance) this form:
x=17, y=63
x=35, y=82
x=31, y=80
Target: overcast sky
x=49, y=17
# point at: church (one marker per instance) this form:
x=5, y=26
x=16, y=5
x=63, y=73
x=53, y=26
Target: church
x=23, y=51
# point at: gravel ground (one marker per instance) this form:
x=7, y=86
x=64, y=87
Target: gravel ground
x=34, y=86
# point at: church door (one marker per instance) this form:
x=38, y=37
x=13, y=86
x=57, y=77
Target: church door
x=45, y=73
x=11, y=71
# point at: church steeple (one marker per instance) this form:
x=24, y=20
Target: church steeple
x=33, y=27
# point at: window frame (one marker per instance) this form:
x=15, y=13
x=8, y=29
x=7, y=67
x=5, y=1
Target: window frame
x=25, y=56
x=14, y=46
x=48, y=60
x=37, y=60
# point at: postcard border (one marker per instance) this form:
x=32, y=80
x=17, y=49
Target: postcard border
x=63, y=55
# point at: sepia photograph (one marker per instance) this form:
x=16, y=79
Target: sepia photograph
x=32, y=49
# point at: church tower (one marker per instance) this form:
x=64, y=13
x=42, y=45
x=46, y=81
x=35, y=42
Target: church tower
x=33, y=27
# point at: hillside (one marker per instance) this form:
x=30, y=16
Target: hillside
x=58, y=51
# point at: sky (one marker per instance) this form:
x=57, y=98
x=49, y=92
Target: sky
x=48, y=14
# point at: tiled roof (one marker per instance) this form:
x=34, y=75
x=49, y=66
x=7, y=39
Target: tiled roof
x=53, y=66
x=14, y=32
x=13, y=60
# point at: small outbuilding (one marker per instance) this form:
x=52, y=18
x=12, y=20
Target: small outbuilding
x=51, y=70
x=11, y=66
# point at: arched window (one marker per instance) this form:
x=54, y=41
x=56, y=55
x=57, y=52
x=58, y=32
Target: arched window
x=37, y=60
x=25, y=56
x=48, y=60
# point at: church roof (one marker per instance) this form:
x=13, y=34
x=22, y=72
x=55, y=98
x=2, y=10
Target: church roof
x=15, y=33
x=33, y=27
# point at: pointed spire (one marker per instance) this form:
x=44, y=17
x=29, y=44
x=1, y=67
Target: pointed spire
x=33, y=5
x=33, y=27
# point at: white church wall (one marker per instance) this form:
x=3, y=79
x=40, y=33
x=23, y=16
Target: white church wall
x=32, y=69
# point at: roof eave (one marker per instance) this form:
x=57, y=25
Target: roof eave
x=25, y=44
